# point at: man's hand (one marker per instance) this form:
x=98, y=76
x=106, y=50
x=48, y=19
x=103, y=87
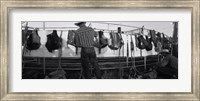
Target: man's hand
x=163, y=63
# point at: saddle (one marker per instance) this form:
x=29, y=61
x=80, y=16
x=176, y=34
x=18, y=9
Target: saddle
x=101, y=41
x=71, y=37
x=116, y=41
x=144, y=44
x=53, y=41
x=153, y=37
x=33, y=41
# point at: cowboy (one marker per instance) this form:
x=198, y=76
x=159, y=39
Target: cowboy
x=85, y=39
x=168, y=66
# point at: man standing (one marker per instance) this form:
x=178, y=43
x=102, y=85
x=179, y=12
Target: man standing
x=168, y=66
x=84, y=38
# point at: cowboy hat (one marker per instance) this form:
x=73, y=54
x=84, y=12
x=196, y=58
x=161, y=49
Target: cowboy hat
x=80, y=23
x=164, y=51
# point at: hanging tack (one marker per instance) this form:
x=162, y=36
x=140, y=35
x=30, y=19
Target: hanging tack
x=142, y=30
x=119, y=30
x=127, y=54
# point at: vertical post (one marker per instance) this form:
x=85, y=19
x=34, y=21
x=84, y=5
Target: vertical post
x=25, y=43
x=121, y=68
x=119, y=32
x=175, y=32
x=43, y=25
x=44, y=60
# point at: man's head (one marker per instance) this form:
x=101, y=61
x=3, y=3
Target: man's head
x=80, y=24
x=164, y=52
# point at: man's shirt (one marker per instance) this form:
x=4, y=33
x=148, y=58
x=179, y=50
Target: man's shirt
x=85, y=37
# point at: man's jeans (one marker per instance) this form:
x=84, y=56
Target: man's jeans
x=88, y=56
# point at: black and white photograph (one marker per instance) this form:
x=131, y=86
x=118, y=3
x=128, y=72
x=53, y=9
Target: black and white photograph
x=99, y=49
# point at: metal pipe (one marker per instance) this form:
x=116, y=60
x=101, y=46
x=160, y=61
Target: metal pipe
x=100, y=23
x=115, y=24
x=126, y=26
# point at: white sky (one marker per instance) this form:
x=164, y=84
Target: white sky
x=165, y=27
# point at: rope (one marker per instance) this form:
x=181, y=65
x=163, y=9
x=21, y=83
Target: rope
x=60, y=52
x=135, y=69
x=127, y=55
x=130, y=72
x=44, y=66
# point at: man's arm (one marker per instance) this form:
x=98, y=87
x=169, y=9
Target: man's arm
x=95, y=34
x=76, y=39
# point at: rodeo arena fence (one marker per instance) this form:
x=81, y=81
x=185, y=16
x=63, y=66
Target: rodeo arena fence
x=132, y=53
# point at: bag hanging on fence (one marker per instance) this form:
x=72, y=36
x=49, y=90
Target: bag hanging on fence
x=132, y=44
x=141, y=42
x=53, y=41
x=153, y=37
x=71, y=37
x=33, y=41
x=59, y=73
x=159, y=37
x=101, y=41
x=73, y=40
x=136, y=41
x=159, y=46
x=25, y=35
x=144, y=44
x=116, y=41
x=149, y=46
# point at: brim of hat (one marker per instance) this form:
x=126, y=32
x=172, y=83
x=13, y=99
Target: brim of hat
x=164, y=53
x=77, y=24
